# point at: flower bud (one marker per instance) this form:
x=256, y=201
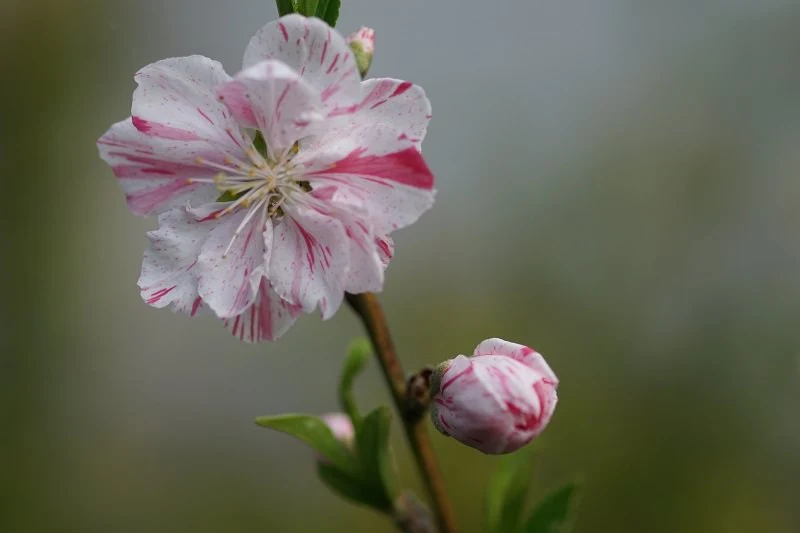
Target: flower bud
x=342, y=428
x=362, y=43
x=496, y=401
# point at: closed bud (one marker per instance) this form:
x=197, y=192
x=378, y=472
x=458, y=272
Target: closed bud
x=342, y=428
x=362, y=43
x=497, y=400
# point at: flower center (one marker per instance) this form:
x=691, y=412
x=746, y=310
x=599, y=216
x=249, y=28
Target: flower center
x=260, y=186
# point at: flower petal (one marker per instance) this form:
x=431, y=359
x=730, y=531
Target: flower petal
x=368, y=255
x=177, y=122
x=176, y=100
x=314, y=50
x=395, y=103
x=309, y=260
x=168, y=270
x=525, y=355
x=266, y=319
x=273, y=98
x=153, y=173
x=387, y=173
x=231, y=265
x=385, y=249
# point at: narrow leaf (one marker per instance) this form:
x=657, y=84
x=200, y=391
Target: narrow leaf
x=554, y=514
x=506, y=493
x=349, y=487
x=331, y=13
x=372, y=443
x=357, y=356
x=316, y=434
x=322, y=6
x=307, y=8
x=284, y=7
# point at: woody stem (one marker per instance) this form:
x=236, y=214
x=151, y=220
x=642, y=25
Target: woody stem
x=368, y=308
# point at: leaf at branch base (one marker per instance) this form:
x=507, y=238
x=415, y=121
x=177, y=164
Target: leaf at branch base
x=316, y=434
x=328, y=11
x=284, y=7
x=372, y=443
x=351, y=488
x=306, y=8
x=554, y=514
x=357, y=356
x=505, y=496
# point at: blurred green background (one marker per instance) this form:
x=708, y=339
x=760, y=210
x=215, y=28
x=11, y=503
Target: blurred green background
x=618, y=188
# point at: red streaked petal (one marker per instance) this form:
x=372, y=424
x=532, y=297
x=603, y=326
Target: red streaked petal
x=309, y=260
x=228, y=282
x=274, y=98
x=168, y=270
x=266, y=319
x=312, y=49
x=528, y=356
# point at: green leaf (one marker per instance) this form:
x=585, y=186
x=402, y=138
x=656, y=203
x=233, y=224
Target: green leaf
x=372, y=443
x=322, y=7
x=554, y=514
x=284, y=7
x=349, y=487
x=505, y=495
x=316, y=434
x=329, y=11
x=357, y=356
x=307, y=8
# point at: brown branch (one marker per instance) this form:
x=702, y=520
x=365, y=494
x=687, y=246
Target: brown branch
x=369, y=309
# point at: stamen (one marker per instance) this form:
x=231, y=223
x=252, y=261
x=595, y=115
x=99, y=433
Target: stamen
x=261, y=186
x=245, y=220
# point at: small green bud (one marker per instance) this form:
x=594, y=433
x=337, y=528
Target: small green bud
x=362, y=43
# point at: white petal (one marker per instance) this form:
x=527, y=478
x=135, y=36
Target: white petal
x=314, y=50
x=176, y=100
x=228, y=282
x=273, y=98
x=309, y=260
x=528, y=356
x=266, y=319
x=153, y=173
x=398, y=104
x=176, y=120
x=368, y=254
x=386, y=172
x=168, y=270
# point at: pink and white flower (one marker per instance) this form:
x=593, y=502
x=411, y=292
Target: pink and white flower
x=496, y=401
x=276, y=189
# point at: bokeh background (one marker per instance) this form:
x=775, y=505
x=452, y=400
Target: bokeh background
x=618, y=187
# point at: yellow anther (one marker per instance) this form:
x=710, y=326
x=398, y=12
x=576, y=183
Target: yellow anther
x=219, y=177
x=199, y=160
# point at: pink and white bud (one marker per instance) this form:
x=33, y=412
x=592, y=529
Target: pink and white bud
x=364, y=37
x=362, y=44
x=341, y=426
x=497, y=400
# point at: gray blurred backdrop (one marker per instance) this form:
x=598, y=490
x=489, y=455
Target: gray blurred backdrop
x=618, y=188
